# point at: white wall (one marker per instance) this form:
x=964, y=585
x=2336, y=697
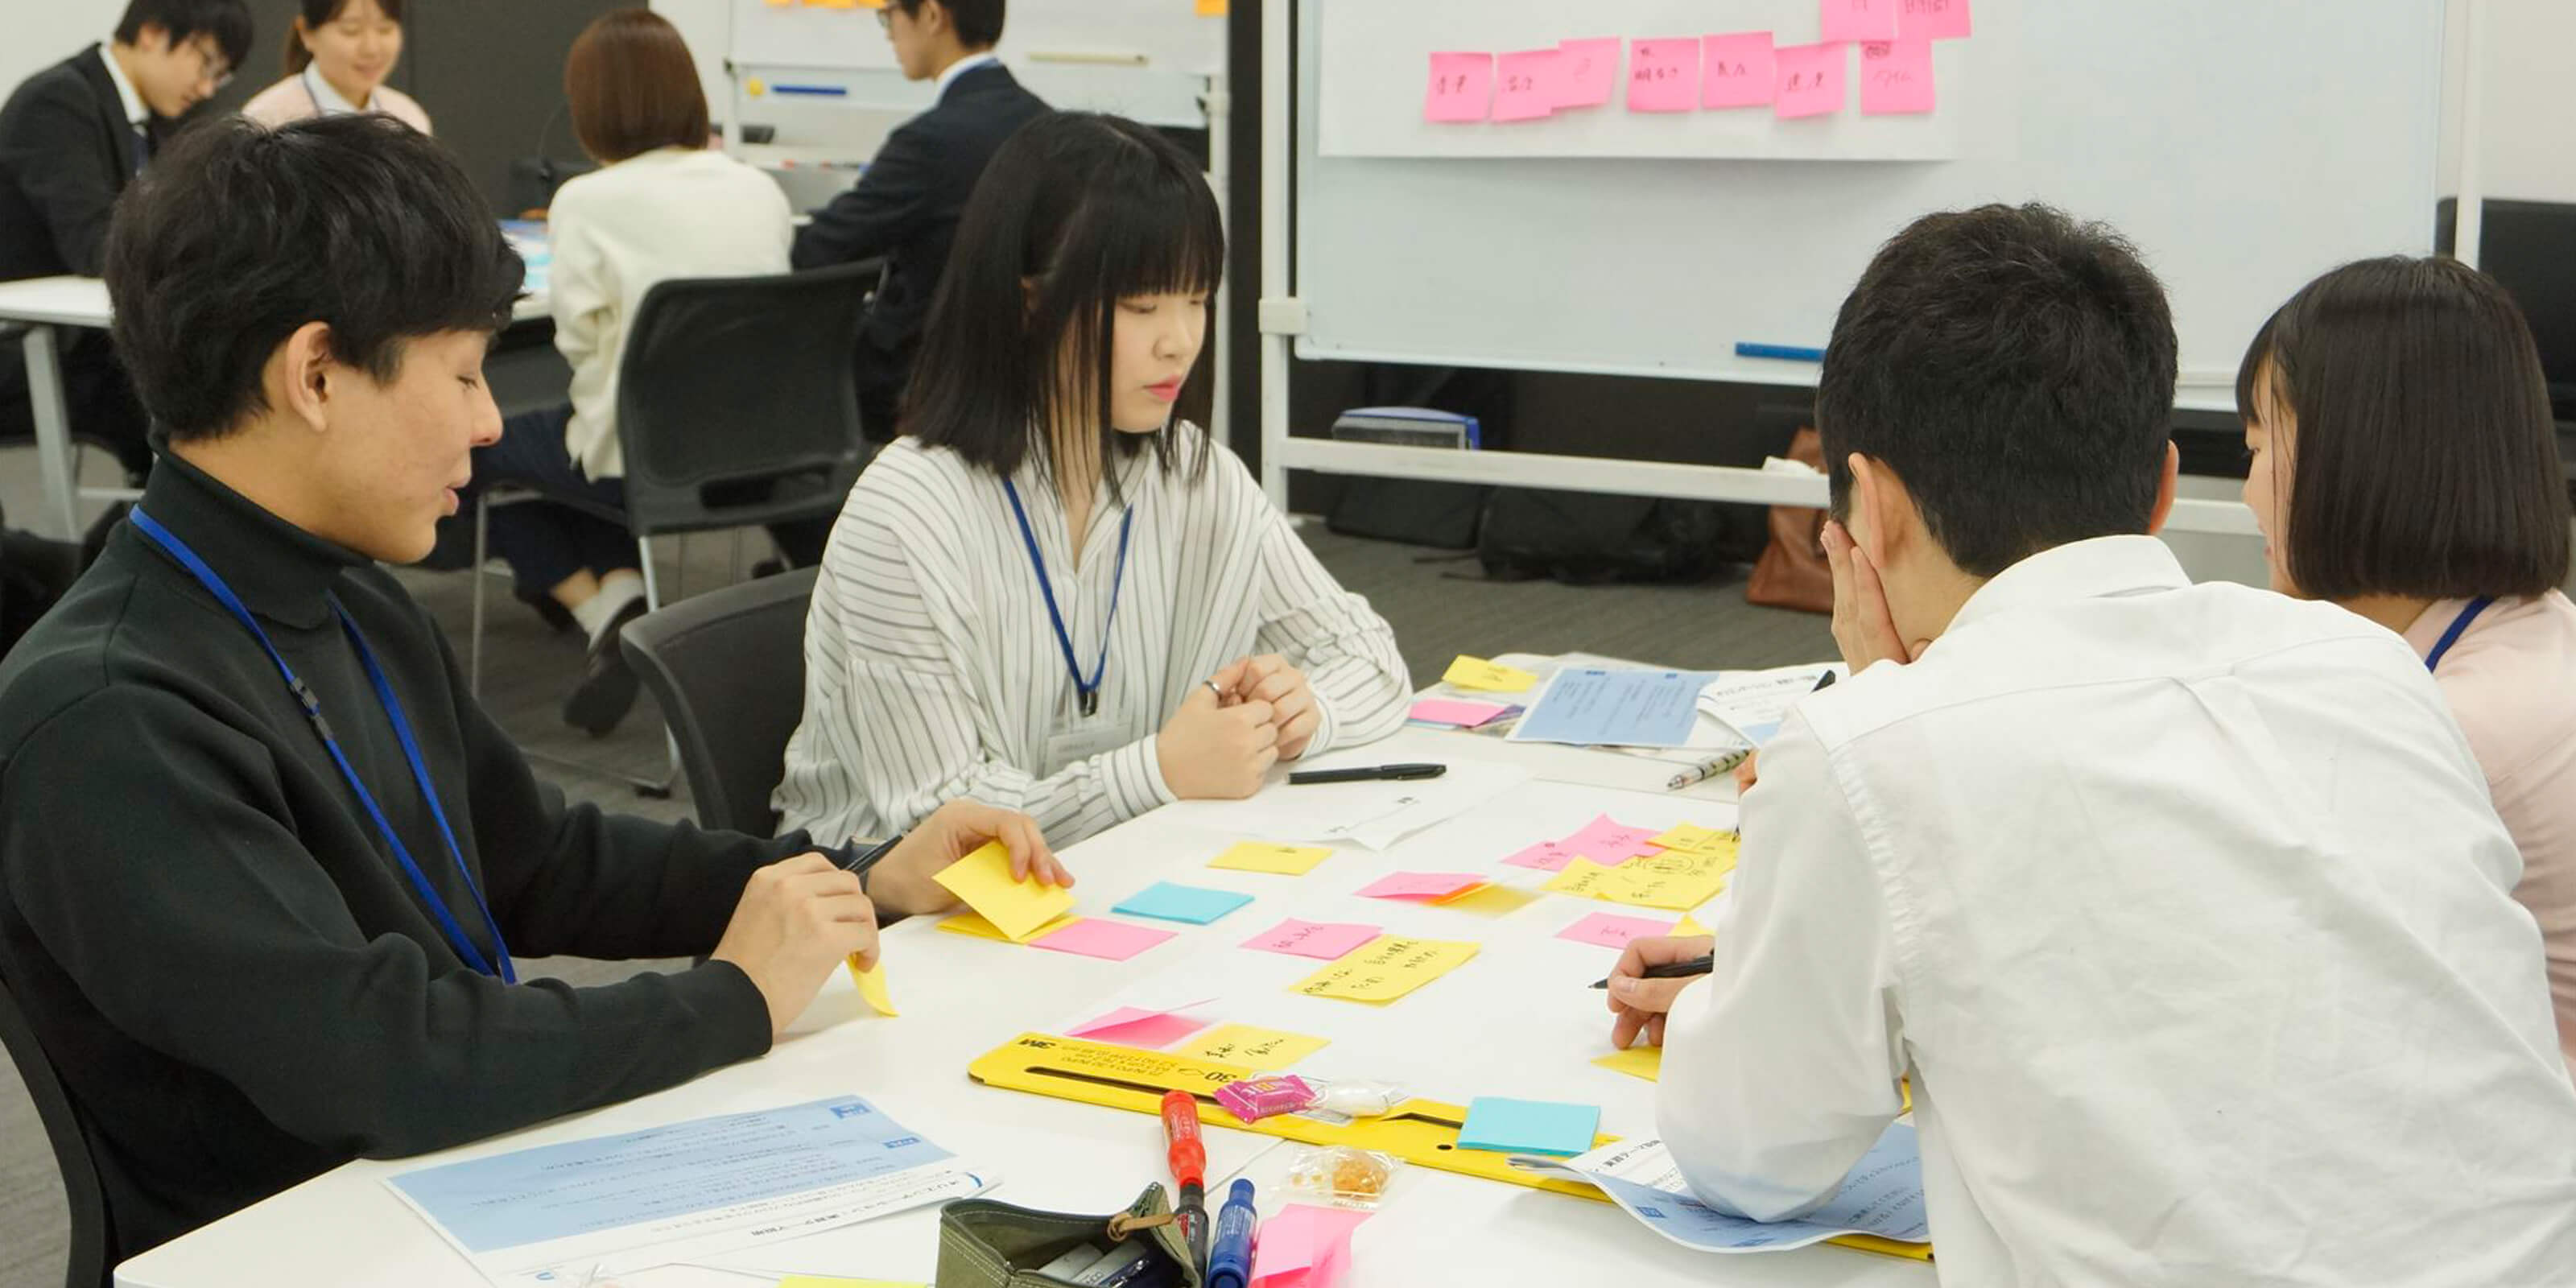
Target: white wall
x=2528, y=149
x=36, y=34
x=707, y=26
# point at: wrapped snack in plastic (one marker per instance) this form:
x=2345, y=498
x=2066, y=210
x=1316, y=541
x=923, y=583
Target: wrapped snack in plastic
x=1357, y=1099
x=1253, y=1099
x=1342, y=1175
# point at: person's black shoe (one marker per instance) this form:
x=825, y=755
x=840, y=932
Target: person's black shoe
x=607, y=689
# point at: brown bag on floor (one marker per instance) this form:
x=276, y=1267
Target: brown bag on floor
x=1792, y=572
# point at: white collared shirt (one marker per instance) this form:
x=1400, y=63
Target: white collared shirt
x=933, y=669
x=136, y=113
x=2184, y=910
x=939, y=86
x=326, y=100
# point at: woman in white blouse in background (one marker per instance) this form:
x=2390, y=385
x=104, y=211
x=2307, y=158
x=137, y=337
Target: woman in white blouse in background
x=1048, y=594
x=338, y=54
x=661, y=205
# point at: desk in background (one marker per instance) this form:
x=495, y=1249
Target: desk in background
x=53, y=305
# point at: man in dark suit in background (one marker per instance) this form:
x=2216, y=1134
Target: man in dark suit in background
x=71, y=137
x=907, y=204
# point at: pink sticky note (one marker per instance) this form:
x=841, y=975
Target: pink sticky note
x=1663, y=75
x=1589, y=75
x=1811, y=81
x=1465, y=715
x=1612, y=931
x=1525, y=85
x=1138, y=1027
x=1322, y=940
x=1736, y=70
x=1858, y=20
x=1546, y=856
x=1100, y=937
x=1462, y=87
x=1896, y=77
x=1421, y=885
x=1609, y=842
x=1305, y=1247
x=1933, y=20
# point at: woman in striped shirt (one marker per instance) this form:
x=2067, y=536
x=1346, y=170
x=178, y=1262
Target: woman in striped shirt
x=1049, y=595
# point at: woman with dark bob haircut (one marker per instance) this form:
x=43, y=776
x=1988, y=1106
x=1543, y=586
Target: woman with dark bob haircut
x=1050, y=592
x=2403, y=463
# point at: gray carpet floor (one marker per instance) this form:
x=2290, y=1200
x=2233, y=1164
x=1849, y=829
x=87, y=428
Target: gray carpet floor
x=1437, y=604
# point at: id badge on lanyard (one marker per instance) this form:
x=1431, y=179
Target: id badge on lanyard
x=1083, y=732
x=1078, y=738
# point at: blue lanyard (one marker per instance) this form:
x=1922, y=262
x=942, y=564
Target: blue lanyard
x=312, y=705
x=2459, y=625
x=1089, y=693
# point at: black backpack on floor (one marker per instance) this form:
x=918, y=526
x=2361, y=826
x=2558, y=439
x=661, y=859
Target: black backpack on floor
x=1587, y=538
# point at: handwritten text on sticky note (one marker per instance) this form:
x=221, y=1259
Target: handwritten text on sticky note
x=1386, y=969
x=1933, y=20
x=1259, y=1048
x=1462, y=88
x=1663, y=75
x=1323, y=940
x=1590, y=73
x=1811, y=81
x=1896, y=78
x=1857, y=20
x=1525, y=85
x=1281, y=860
x=1737, y=70
x=1610, y=931
x=1492, y=677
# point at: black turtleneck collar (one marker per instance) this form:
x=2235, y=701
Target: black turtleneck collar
x=280, y=571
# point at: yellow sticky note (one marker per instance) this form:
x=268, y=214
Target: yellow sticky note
x=1689, y=925
x=872, y=985
x=967, y=923
x=1212, y=8
x=1491, y=900
x=1259, y=1048
x=1019, y=909
x=1582, y=877
x=1386, y=968
x=818, y=1281
x=1645, y=1062
x=1704, y=840
x=1492, y=677
x=1285, y=860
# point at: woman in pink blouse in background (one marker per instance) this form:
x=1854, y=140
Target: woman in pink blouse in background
x=338, y=54
x=2403, y=463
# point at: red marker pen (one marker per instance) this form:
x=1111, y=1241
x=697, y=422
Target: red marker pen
x=1189, y=1168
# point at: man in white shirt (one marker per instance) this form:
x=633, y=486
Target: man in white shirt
x=2181, y=908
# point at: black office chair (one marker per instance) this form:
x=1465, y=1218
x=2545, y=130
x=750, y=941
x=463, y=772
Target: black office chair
x=737, y=405
x=88, y=1265
x=728, y=670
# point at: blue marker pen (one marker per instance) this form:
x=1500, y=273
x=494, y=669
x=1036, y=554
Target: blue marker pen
x=1230, y=1260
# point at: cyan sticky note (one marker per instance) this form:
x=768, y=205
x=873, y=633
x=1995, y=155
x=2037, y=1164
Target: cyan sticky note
x=1167, y=902
x=1529, y=1126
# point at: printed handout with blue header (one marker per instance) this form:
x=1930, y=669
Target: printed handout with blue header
x=568, y=1213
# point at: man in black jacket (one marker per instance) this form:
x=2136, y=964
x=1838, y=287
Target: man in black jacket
x=71, y=138
x=263, y=860
x=906, y=205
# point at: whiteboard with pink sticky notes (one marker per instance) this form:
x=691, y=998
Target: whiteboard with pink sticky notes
x=1681, y=176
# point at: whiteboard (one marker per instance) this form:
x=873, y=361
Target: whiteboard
x=2245, y=148
x=1171, y=36
x=1373, y=82
x=1072, y=53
